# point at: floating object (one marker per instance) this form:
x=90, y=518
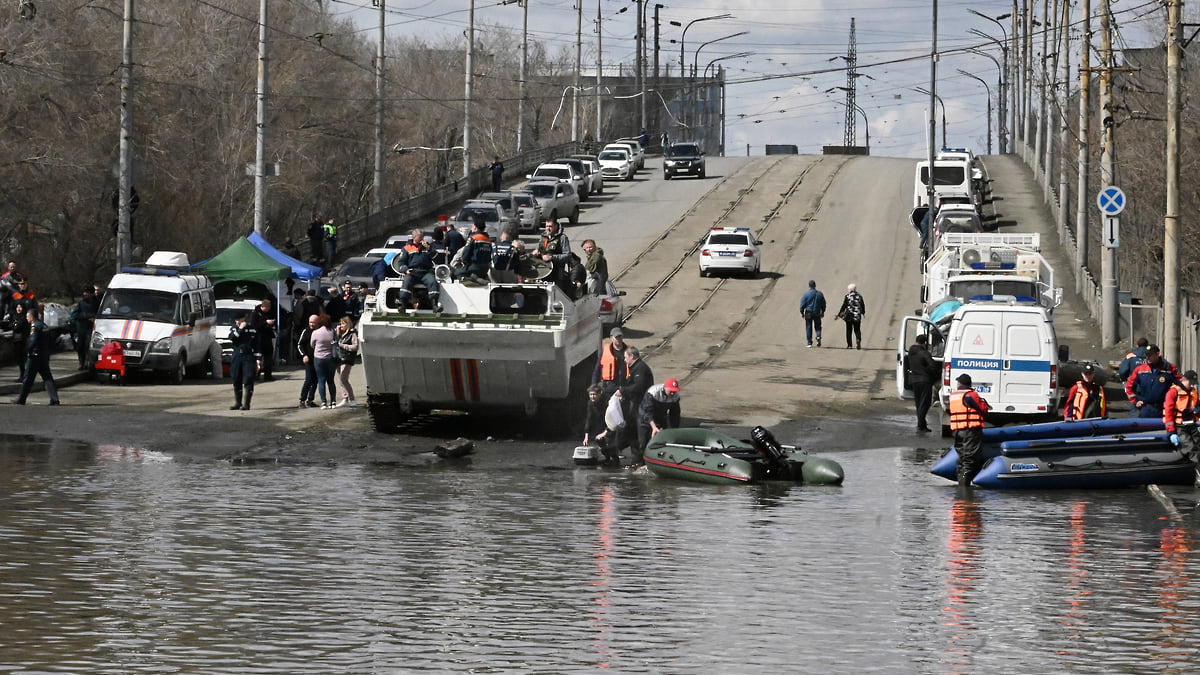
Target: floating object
x=707, y=456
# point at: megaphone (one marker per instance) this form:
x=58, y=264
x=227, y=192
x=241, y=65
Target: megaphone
x=971, y=256
x=442, y=273
x=395, y=265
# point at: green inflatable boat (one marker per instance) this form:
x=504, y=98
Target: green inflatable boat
x=707, y=456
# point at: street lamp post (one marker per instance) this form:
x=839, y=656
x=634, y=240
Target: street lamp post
x=682, y=54
x=600, y=64
x=1006, y=82
x=922, y=90
x=1001, y=135
x=695, y=59
x=857, y=108
x=989, y=105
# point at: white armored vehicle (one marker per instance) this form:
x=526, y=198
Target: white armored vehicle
x=524, y=346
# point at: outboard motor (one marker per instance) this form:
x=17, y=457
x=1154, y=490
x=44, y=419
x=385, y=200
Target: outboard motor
x=779, y=468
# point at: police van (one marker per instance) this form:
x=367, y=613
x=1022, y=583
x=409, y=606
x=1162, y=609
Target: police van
x=163, y=315
x=1009, y=349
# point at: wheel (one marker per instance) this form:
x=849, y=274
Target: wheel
x=629, y=176
x=703, y=273
x=666, y=176
x=702, y=173
x=574, y=219
x=384, y=410
x=180, y=371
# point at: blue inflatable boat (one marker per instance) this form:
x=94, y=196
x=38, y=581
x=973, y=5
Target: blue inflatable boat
x=1087, y=462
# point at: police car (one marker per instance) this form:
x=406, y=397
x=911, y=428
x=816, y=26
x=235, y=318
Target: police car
x=729, y=249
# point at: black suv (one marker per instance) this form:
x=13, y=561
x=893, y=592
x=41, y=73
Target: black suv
x=683, y=158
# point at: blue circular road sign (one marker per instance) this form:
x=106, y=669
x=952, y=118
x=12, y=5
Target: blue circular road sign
x=1111, y=200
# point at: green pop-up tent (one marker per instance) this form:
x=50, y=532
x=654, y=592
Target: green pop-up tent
x=242, y=261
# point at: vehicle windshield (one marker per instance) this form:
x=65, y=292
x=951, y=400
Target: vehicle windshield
x=226, y=315
x=542, y=190
x=614, y=154
x=1021, y=288
x=966, y=220
x=684, y=150
x=139, y=303
x=553, y=173
x=523, y=200
x=356, y=268
x=729, y=239
x=469, y=213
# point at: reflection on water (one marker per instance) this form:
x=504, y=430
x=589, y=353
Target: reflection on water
x=113, y=560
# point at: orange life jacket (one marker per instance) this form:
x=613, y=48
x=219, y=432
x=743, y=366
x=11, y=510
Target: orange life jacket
x=962, y=417
x=1180, y=408
x=479, y=236
x=1078, y=400
x=608, y=364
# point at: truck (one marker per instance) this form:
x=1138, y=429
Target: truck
x=164, y=316
x=527, y=346
x=1010, y=351
x=968, y=266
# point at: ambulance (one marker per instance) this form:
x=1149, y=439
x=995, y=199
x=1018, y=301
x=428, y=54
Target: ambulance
x=1008, y=347
x=163, y=315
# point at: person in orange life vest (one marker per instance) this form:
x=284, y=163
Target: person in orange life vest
x=610, y=368
x=967, y=413
x=1179, y=416
x=1086, y=399
x=1148, y=385
x=23, y=296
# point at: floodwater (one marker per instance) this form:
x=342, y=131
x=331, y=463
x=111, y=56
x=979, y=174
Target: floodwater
x=122, y=561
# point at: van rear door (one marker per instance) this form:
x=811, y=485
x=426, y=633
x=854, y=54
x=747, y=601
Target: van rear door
x=1028, y=354
x=978, y=353
x=910, y=328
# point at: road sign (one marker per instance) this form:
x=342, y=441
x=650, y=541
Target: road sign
x=1111, y=201
x=1112, y=232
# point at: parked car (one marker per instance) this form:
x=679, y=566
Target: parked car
x=514, y=218
x=589, y=186
x=635, y=147
x=612, y=308
x=556, y=199
x=955, y=218
x=616, y=162
x=593, y=166
x=730, y=249
x=562, y=172
x=493, y=215
x=683, y=158
x=356, y=270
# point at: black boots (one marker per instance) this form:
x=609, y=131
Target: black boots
x=249, y=395
x=237, y=400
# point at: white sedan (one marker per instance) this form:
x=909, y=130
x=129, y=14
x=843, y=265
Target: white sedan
x=730, y=249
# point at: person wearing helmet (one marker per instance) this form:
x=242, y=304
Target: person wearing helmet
x=659, y=410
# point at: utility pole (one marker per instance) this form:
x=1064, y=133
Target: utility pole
x=578, y=57
x=1049, y=70
x=125, y=170
x=1027, y=66
x=1039, y=135
x=470, y=86
x=1171, y=316
x=260, y=143
x=639, y=56
x=379, y=110
x=1014, y=84
x=933, y=57
x=1061, y=96
x=521, y=82
x=655, y=83
x=1108, y=257
x=599, y=67
x=1085, y=115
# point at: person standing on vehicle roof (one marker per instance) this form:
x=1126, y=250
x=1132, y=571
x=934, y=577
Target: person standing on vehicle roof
x=922, y=375
x=554, y=247
x=812, y=308
x=416, y=266
x=968, y=411
x=1147, y=386
x=1086, y=399
x=597, y=268
x=476, y=256
x=506, y=260
x=243, y=366
x=1180, y=416
x=854, y=308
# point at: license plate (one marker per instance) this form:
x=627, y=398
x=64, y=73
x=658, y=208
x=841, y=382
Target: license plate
x=132, y=354
x=726, y=254
x=983, y=388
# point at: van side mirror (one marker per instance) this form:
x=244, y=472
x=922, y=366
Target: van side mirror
x=1064, y=353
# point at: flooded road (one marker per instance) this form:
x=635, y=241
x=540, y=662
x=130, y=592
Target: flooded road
x=118, y=560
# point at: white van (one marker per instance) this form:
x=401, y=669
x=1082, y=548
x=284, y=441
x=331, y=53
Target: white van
x=1010, y=351
x=950, y=177
x=163, y=316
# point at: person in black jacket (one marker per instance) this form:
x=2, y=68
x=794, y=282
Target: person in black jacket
x=262, y=319
x=638, y=380
x=244, y=365
x=922, y=373
x=308, y=390
x=38, y=349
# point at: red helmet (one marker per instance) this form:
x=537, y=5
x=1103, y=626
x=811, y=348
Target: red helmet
x=671, y=385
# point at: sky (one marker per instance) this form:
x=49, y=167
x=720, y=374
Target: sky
x=781, y=91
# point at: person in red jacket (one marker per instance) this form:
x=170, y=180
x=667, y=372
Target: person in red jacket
x=1179, y=417
x=1086, y=399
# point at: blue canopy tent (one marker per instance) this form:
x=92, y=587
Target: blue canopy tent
x=300, y=270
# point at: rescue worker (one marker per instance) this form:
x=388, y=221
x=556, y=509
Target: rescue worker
x=38, y=348
x=244, y=365
x=555, y=248
x=1086, y=398
x=329, y=234
x=1179, y=417
x=416, y=265
x=967, y=412
x=476, y=257
x=659, y=410
x=638, y=378
x=24, y=297
x=922, y=374
x=506, y=260
x=1148, y=384
x=1135, y=358
x=610, y=368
